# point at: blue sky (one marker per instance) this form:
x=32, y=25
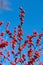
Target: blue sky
x=33, y=16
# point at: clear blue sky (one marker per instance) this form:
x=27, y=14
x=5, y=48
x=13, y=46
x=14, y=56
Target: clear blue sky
x=33, y=17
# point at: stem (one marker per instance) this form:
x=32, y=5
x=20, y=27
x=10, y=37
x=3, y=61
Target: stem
x=20, y=52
